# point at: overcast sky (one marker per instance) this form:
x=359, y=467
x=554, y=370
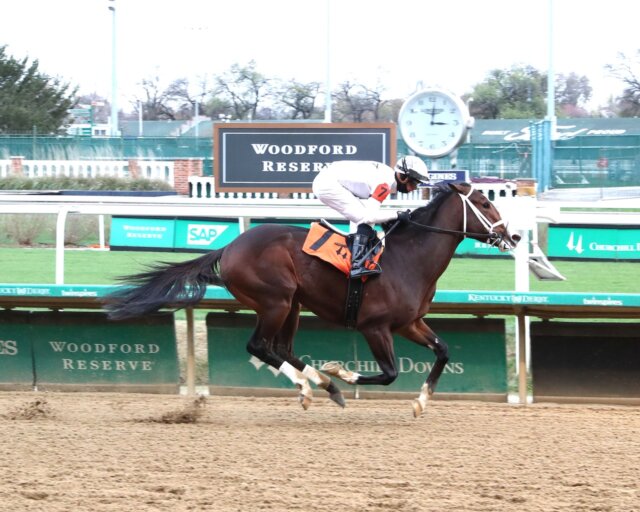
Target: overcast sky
x=450, y=43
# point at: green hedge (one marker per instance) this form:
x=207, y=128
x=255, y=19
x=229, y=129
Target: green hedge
x=69, y=183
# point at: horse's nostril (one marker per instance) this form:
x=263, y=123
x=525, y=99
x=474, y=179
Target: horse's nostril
x=516, y=237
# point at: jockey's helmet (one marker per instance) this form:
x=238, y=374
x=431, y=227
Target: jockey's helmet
x=413, y=167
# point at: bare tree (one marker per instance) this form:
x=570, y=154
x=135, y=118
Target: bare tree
x=628, y=71
x=156, y=103
x=357, y=103
x=572, y=94
x=243, y=88
x=185, y=100
x=298, y=99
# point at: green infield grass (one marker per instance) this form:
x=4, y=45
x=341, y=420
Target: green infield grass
x=37, y=266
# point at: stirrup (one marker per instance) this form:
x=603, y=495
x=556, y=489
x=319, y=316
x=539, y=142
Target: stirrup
x=364, y=271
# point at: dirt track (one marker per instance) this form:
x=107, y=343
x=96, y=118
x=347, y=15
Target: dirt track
x=118, y=452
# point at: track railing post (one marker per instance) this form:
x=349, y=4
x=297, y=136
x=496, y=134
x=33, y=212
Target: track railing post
x=191, y=354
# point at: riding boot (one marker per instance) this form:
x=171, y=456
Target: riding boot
x=359, y=251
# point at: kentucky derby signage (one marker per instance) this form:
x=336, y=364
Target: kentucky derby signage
x=285, y=157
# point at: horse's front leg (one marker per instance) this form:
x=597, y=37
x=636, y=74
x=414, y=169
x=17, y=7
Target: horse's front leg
x=419, y=332
x=381, y=345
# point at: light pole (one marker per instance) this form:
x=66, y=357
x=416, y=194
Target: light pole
x=327, y=91
x=114, y=87
x=551, y=77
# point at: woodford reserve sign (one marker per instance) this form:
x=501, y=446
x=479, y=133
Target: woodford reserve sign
x=286, y=157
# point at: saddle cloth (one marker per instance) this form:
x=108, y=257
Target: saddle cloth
x=332, y=247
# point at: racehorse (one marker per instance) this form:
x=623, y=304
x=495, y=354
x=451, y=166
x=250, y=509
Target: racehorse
x=266, y=270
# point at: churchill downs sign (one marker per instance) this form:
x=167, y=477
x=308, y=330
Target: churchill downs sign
x=286, y=157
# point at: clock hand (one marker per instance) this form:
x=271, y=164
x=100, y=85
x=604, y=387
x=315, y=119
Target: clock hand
x=434, y=111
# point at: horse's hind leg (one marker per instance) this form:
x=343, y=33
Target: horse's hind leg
x=380, y=343
x=419, y=332
x=283, y=346
x=261, y=345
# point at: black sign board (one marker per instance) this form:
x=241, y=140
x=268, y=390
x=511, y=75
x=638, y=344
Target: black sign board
x=286, y=157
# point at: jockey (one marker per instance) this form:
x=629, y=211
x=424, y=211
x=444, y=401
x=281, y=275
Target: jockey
x=356, y=190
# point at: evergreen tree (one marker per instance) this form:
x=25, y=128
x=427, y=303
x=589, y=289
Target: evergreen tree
x=31, y=99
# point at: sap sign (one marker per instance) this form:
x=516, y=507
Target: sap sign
x=203, y=234
x=198, y=235
x=171, y=234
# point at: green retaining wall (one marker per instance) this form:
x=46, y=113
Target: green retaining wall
x=85, y=351
x=16, y=358
x=477, y=355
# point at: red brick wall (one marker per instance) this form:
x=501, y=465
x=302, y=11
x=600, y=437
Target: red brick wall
x=16, y=165
x=182, y=169
x=134, y=169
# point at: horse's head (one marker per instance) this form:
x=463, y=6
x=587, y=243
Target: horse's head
x=480, y=216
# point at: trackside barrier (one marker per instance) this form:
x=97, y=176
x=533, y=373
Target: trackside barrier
x=73, y=351
x=594, y=361
x=477, y=303
x=477, y=367
x=16, y=356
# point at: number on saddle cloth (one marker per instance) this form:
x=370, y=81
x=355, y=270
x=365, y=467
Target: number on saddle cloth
x=334, y=247
x=329, y=246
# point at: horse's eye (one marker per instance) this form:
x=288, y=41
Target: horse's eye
x=485, y=204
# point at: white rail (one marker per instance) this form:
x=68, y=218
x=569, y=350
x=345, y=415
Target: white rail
x=202, y=189
x=162, y=170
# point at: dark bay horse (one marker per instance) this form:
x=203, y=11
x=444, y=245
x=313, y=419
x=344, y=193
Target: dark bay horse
x=266, y=270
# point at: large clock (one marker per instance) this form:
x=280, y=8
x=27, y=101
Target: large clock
x=434, y=122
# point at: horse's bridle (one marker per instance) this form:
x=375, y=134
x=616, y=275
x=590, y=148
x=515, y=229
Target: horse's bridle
x=493, y=238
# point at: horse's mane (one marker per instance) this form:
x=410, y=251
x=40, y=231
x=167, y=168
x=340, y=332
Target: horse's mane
x=439, y=194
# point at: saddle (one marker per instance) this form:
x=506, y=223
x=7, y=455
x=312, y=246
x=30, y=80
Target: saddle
x=327, y=242
x=330, y=244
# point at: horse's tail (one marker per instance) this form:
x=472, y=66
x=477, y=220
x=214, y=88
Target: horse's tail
x=178, y=285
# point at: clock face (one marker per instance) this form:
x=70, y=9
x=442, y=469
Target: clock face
x=433, y=122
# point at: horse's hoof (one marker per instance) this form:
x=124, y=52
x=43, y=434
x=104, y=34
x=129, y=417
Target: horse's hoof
x=332, y=368
x=417, y=408
x=305, y=401
x=338, y=398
